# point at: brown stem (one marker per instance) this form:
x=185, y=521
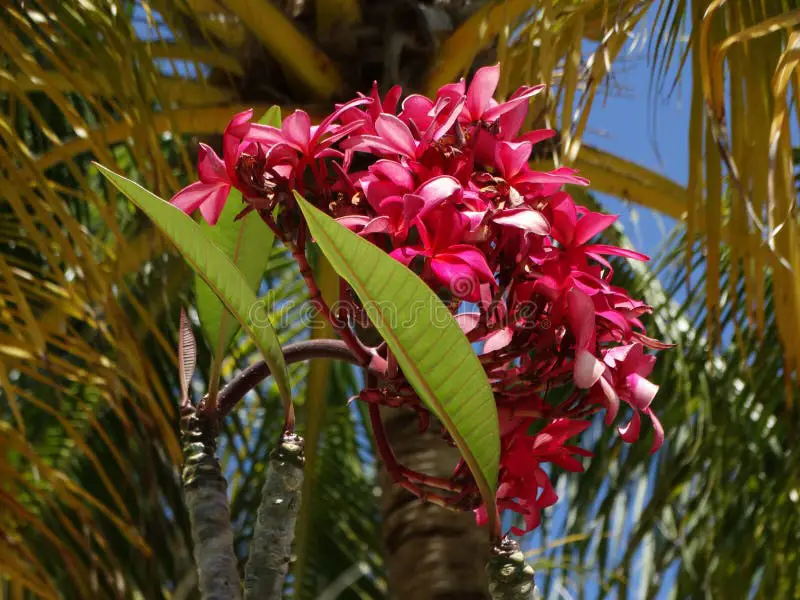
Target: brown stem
x=292, y=353
x=315, y=295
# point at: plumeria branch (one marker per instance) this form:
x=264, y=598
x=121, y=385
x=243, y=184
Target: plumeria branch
x=509, y=577
x=270, y=550
x=250, y=377
x=209, y=513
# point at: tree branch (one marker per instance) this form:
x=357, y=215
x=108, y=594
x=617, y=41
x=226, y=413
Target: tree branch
x=257, y=372
x=271, y=548
x=209, y=513
x=509, y=577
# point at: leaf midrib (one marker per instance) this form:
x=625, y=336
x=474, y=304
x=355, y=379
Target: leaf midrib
x=483, y=485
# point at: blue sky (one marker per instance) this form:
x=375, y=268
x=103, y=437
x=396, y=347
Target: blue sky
x=651, y=131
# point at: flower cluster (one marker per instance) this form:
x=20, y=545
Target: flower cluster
x=444, y=186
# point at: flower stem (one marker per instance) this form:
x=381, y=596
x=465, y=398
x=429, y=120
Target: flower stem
x=209, y=514
x=270, y=549
x=509, y=577
x=297, y=250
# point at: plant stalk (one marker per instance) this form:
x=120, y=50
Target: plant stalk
x=510, y=578
x=245, y=381
x=270, y=550
x=209, y=513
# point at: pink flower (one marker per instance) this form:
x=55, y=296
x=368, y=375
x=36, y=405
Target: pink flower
x=373, y=110
x=312, y=141
x=480, y=105
x=461, y=268
x=398, y=204
x=626, y=379
x=216, y=178
x=574, y=233
x=524, y=485
x=393, y=136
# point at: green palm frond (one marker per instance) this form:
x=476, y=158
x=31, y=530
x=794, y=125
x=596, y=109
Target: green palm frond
x=711, y=500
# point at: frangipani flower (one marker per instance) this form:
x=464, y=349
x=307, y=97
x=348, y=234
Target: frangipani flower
x=445, y=187
x=216, y=177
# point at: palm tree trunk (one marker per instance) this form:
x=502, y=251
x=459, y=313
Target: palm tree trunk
x=431, y=553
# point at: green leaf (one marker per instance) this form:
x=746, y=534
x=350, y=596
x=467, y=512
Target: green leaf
x=272, y=117
x=248, y=243
x=435, y=355
x=217, y=271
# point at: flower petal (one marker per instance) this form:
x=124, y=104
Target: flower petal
x=536, y=136
x=376, y=225
x=297, y=129
x=468, y=321
x=472, y=257
x=327, y=121
x=210, y=167
x=491, y=113
x=417, y=108
x=396, y=134
x=642, y=390
x=497, y=340
x=354, y=223
x=192, y=196
x=266, y=134
x=581, y=315
x=588, y=369
x=481, y=89
x=511, y=157
x=590, y=224
x=212, y=207
x=394, y=172
x=614, y=251
x=437, y=190
x=405, y=254
x=337, y=133
x=236, y=130
x=612, y=400
x=526, y=219
x=446, y=113
x=630, y=431
x=369, y=143
x=658, y=431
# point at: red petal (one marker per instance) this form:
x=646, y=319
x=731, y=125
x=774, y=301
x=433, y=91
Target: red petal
x=524, y=218
x=498, y=339
x=614, y=251
x=212, y=207
x=588, y=369
x=511, y=157
x=658, y=431
x=630, y=432
x=297, y=129
x=590, y=224
x=481, y=89
x=397, y=134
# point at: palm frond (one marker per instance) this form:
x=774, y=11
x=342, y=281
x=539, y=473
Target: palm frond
x=728, y=428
